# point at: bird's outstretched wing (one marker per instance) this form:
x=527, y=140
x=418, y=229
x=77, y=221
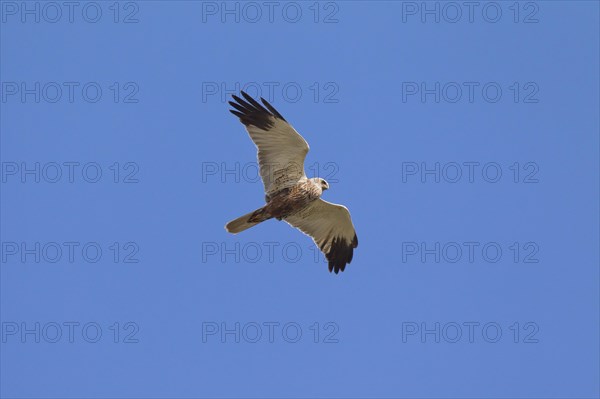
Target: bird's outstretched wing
x=331, y=228
x=281, y=149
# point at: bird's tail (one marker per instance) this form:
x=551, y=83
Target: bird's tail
x=245, y=222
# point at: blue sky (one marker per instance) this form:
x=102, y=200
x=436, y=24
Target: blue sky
x=463, y=140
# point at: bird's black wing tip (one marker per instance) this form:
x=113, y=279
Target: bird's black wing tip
x=236, y=113
x=340, y=254
x=251, y=112
x=272, y=109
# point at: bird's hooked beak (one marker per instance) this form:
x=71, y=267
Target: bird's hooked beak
x=324, y=185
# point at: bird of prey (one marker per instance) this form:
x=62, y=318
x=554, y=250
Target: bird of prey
x=290, y=195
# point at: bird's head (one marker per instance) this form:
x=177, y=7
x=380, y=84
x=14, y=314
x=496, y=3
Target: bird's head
x=323, y=183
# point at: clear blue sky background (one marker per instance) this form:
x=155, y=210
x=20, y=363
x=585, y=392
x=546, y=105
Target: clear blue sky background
x=175, y=214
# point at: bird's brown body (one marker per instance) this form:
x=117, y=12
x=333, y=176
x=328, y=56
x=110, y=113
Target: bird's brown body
x=288, y=201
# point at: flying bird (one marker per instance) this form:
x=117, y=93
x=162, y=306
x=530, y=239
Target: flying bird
x=289, y=194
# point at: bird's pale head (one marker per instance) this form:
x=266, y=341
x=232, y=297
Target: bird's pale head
x=321, y=183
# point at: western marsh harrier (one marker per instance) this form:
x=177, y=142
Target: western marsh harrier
x=290, y=195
